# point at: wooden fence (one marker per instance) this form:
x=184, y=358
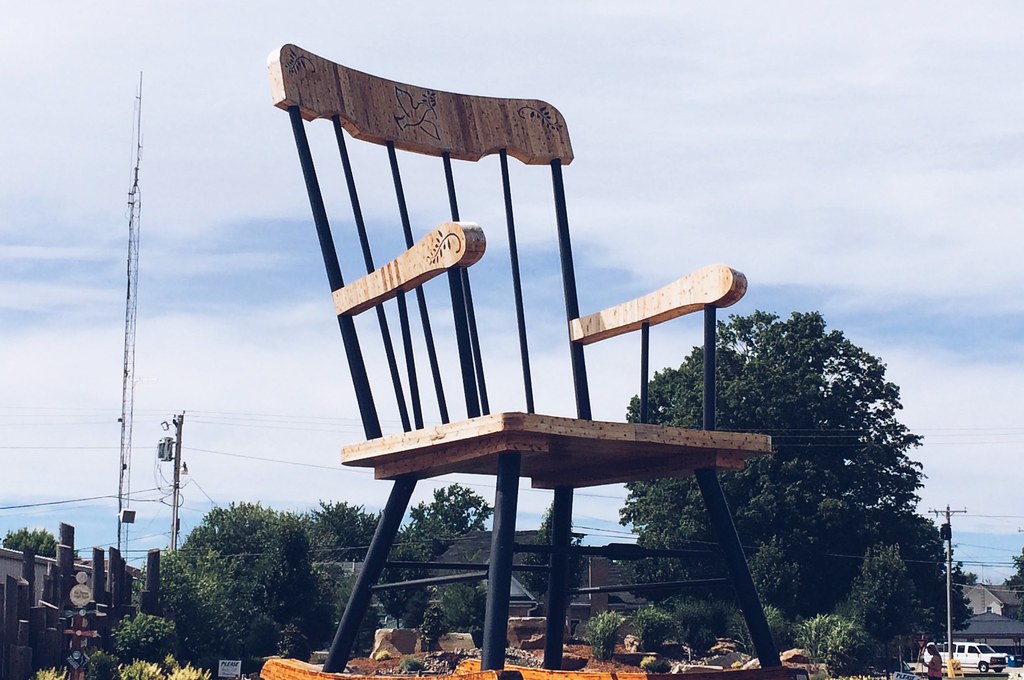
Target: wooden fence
x=79, y=604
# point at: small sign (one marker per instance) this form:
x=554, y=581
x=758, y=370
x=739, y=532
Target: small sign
x=229, y=669
x=80, y=595
x=900, y=675
x=77, y=659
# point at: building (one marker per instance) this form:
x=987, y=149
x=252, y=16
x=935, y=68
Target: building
x=985, y=598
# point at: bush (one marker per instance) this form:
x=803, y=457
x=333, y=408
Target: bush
x=653, y=628
x=654, y=664
x=601, y=634
x=101, y=666
x=778, y=626
x=188, y=673
x=145, y=638
x=702, y=621
x=50, y=673
x=294, y=644
x=141, y=670
x=263, y=637
x=432, y=627
x=838, y=642
x=410, y=664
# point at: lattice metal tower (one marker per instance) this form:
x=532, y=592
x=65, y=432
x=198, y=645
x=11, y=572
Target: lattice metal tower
x=128, y=384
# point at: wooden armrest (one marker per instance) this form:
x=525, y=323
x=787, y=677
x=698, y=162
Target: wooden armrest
x=715, y=284
x=453, y=244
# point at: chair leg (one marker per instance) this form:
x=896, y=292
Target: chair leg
x=558, y=579
x=736, y=562
x=373, y=565
x=499, y=576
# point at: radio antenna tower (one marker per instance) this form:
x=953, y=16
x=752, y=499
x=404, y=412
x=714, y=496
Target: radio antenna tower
x=124, y=484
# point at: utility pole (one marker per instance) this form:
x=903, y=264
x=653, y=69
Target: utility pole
x=946, y=532
x=179, y=423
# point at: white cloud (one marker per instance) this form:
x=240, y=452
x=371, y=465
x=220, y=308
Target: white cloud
x=865, y=160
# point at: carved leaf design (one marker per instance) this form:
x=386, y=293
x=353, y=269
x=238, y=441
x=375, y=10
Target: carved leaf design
x=442, y=243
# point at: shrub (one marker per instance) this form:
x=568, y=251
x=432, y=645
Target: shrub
x=101, y=666
x=838, y=642
x=432, y=627
x=410, y=664
x=144, y=638
x=653, y=628
x=601, y=633
x=141, y=670
x=654, y=664
x=382, y=655
x=778, y=626
x=50, y=674
x=263, y=637
x=294, y=644
x=188, y=673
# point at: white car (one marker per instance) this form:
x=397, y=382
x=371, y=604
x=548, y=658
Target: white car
x=975, y=655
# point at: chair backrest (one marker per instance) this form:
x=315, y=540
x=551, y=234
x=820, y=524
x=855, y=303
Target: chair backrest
x=403, y=117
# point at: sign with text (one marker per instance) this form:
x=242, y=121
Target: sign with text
x=229, y=669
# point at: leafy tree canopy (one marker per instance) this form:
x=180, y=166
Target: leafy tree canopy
x=454, y=511
x=839, y=480
x=40, y=541
x=240, y=563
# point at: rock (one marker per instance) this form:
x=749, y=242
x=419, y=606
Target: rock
x=396, y=642
x=631, y=658
x=571, y=662
x=728, y=660
x=631, y=644
x=690, y=668
x=795, y=656
x=753, y=664
x=526, y=632
x=456, y=642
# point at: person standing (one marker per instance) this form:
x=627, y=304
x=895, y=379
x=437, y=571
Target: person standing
x=933, y=662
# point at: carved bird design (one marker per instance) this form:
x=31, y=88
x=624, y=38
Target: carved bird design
x=414, y=114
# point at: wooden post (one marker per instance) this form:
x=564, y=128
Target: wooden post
x=28, y=572
x=10, y=622
x=65, y=573
x=149, y=600
x=50, y=582
x=99, y=577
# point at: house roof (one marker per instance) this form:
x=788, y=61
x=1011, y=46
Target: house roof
x=993, y=626
x=1001, y=593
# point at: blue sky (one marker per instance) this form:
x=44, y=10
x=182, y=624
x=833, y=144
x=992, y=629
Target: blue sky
x=861, y=159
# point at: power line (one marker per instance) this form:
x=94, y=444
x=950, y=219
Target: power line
x=63, y=502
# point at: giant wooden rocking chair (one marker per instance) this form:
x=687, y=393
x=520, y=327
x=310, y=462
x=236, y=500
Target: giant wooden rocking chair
x=554, y=452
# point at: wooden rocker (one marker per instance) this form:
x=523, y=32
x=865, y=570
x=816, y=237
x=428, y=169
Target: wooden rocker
x=556, y=453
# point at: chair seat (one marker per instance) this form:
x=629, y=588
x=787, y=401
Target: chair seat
x=556, y=451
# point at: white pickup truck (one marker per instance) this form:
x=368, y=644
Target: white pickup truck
x=975, y=655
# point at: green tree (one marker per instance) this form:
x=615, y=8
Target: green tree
x=1016, y=581
x=839, y=479
x=464, y=606
x=240, y=563
x=39, y=541
x=882, y=598
x=341, y=532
